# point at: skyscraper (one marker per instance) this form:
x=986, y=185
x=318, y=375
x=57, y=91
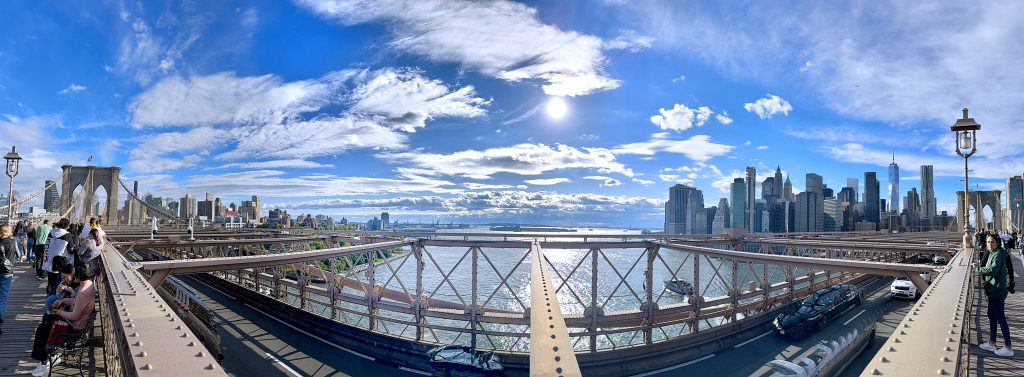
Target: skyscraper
x=1015, y=201
x=385, y=219
x=813, y=183
x=187, y=206
x=738, y=191
x=51, y=199
x=778, y=183
x=871, y=199
x=810, y=212
x=256, y=208
x=894, y=186
x=854, y=184
x=751, y=199
x=787, y=191
x=928, y=205
x=681, y=209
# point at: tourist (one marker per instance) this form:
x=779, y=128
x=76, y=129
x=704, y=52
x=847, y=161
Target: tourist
x=67, y=286
x=19, y=240
x=30, y=240
x=72, y=312
x=58, y=243
x=42, y=233
x=8, y=251
x=89, y=250
x=994, y=274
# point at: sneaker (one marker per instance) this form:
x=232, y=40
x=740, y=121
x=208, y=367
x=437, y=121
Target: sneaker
x=1005, y=352
x=41, y=370
x=988, y=346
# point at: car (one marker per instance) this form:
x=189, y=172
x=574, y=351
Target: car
x=815, y=311
x=939, y=259
x=902, y=287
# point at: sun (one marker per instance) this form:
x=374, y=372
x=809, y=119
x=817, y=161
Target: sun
x=556, y=108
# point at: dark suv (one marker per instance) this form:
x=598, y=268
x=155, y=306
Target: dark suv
x=815, y=311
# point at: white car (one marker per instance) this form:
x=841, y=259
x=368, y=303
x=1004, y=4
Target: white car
x=902, y=287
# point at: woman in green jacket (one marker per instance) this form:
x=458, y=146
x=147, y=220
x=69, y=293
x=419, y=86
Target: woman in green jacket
x=994, y=274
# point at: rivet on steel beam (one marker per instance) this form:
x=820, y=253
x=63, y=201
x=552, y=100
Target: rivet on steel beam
x=950, y=340
x=876, y=372
x=945, y=359
x=947, y=349
x=942, y=372
x=134, y=335
x=184, y=335
x=210, y=367
x=137, y=344
x=178, y=328
x=891, y=349
x=147, y=367
x=896, y=340
x=191, y=344
x=141, y=354
x=883, y=359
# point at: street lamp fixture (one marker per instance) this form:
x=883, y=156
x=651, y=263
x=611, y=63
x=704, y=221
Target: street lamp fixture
x=966, y=130
x=13, y=159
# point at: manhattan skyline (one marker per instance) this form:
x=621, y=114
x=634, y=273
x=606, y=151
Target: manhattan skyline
x=508, y=111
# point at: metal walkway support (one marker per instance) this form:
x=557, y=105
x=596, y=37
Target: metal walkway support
x=931, y=340
x=551, y=354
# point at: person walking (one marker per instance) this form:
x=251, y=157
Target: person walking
x=9, y=250
x=89, y=251
x=75, y=312
x=19, y=239
x=42, y=233
x=59, y=242
x=994, y=273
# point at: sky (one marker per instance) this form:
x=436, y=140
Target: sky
x=561, y=113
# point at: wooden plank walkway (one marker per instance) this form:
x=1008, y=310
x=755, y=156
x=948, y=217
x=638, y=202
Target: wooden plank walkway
x=986, y=363
x=24, y=313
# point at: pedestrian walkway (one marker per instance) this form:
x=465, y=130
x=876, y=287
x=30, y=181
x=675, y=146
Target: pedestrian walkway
x=24, y=312
x=986, y=363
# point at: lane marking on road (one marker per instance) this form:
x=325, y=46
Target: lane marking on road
x=283, y=365
x=853, y=318
x=367, y=357
x=691, y=362
x=417, y=371
x=766, y=333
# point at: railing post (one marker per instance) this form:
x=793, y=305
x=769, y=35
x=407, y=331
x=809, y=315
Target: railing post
x=332, y=286
x=735, y=290
x=302, y=280
x=593, y=301
x=473, y=309
x=371, y=299
x=417, y=250
x=652, y=254
x=696, y=293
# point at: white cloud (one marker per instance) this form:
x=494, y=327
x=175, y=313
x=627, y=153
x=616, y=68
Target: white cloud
x=275, y=183
x=986, y=168
x=698, y=148
x=605, y=181
x=644, y=182
x=762, y=147
x=678, y=79
x=173, y=150
x=500, y=204
x=521, y=159
x=668, y=177
x=483, y=186
x=266, y=117
x=276, y=164
x=767, y=107
x=723, y=118
x=500, y=38
x=747, y=143
x=73, y=88
x=547, y=182
x=629, y=40
x=680, y=117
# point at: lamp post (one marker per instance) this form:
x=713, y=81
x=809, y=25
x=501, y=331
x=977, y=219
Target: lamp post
x=966, y=130
x=13, y=159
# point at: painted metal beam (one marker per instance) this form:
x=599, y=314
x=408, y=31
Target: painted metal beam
x=192, y=266
x=160, y=343
x=929, y=340
x=551, y=353
x=168, y=244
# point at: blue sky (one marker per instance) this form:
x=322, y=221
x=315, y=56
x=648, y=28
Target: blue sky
x=440, y=110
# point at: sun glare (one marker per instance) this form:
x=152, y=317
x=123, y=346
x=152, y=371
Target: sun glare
x=556, y=108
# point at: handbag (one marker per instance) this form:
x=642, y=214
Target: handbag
x=57, y=331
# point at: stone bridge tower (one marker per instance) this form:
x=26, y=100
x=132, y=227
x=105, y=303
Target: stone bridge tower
x=979, y=200
x=91, y=177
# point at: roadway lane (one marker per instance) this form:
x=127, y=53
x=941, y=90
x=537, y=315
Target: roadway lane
x=749, y=358
x=255, y=344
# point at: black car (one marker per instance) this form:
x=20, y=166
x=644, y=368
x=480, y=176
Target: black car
x=815, y=311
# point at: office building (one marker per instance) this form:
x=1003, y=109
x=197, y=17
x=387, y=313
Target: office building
x=187, y=206
x=51, y=198
x=810, y=212
x=1015, y=202
x=928, y=204
x=385, y=219
x=871, y=199
x=894, y=186
x=738, y=193
x=778, y=184
x=204, y=210
x=681, y=209
x=833, y=219
x=751, y=199
x=854, y=184
x=787, y=190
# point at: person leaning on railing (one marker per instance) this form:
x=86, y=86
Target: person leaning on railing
x=70, y=315
x=995, y=275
